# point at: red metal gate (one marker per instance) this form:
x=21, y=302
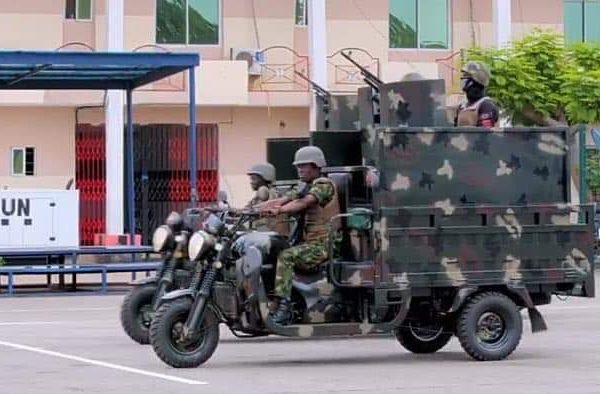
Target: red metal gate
x=161, y=176
x=208, y=162
x=90, y=176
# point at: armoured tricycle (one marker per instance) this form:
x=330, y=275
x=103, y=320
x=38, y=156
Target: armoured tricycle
x=465, y=228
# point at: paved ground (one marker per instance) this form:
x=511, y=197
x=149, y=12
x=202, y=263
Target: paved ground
x=67, y=344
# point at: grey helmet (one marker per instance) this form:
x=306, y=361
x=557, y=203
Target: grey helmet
x=310, y=154
x=478, y=71
x=412, y=77
x=265, y=170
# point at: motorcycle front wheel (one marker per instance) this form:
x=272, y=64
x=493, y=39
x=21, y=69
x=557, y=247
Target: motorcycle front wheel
x=168, y=340
x=137, y=311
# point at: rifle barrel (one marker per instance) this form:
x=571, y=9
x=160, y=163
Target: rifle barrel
x=369, y=77
x=318, y=89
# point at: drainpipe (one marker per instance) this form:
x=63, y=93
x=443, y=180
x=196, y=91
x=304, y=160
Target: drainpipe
x=114, y=128
x=501, y=11
x=502, y=22
x=317, y=47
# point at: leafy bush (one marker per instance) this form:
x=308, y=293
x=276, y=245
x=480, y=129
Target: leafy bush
x=539, y=81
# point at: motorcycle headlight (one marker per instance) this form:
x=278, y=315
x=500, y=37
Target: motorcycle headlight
x=213, y=225
x=175, y=221
x=162, y=239
x=199, y=244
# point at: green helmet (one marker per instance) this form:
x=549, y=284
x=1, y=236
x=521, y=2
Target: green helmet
x=265, y=170
x=310, y=154
x=478, y=72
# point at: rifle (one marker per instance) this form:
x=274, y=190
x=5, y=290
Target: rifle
x=369, y=78
x=375, y=83
x=319, y=91
x=322, y=93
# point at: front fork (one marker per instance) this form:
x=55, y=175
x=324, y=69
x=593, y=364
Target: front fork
x=194, y=320
x=165, y=282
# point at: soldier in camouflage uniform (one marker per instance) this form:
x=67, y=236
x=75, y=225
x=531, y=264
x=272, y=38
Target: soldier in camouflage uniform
x=318, y=201
x=478, y=110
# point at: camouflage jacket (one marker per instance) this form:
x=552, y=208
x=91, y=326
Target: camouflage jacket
x=315, y=223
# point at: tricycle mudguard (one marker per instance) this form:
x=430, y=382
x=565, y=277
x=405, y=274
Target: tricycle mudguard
x=175, y=294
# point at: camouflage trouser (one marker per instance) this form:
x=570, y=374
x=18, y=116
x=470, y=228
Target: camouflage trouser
x=305, y=256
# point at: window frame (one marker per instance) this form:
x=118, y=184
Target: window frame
x=77, y=12
x=583, y=32
x=304, y=17
x=187, y=30
x=24, y=150
x=418, y=48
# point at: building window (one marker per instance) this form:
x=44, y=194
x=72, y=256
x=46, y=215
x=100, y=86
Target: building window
x=193, y=22
x=301, y=12
x=581, y=20
x=419, y=24
x=78, y=9
x=23, y=161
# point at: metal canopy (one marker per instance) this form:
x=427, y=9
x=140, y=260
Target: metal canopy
x=39, y=70
x=88, y=70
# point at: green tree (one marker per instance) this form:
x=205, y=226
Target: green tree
x=539, y=81
x=593, y=171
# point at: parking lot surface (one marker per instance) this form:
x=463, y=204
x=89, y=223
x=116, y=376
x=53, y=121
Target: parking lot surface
x=75, y=344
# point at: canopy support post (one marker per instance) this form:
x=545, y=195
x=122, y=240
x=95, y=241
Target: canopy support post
x=193, y=140
x=130, y=172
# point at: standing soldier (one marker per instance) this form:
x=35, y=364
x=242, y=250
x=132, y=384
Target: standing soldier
x=318, y=203
x=478, y=110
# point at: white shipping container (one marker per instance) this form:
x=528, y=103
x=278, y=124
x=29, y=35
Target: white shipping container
x=39, y=218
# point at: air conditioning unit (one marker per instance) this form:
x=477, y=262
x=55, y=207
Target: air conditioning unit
x=254, y=57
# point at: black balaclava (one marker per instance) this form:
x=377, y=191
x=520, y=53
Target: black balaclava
x=474, y=90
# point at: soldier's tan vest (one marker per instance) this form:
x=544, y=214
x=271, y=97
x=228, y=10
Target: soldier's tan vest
x=468, y=115
x=278, y=224
x=317, y=218
x=255, y=200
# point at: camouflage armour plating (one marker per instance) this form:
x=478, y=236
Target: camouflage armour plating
x=314, y=251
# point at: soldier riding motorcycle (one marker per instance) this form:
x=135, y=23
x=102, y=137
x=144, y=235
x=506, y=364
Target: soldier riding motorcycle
x=238, y=271
x=139, y=305
x=184, y=332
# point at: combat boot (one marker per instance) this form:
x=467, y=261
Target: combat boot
x=283, y=314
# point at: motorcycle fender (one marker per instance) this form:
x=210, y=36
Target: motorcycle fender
x=251, y=262
x=145, y=281
x=248, y=271
x=176, y=294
